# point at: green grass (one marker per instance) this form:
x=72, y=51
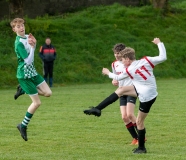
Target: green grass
x=60, y=131
x=84, y=41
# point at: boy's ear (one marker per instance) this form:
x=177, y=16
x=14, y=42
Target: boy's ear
x=13, y=29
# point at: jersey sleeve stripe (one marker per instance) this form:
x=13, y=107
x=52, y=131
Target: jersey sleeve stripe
x=149, y=62
x=129, y=73
x=113, y=64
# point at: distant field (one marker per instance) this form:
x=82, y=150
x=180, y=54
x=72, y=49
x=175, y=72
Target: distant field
x=60, y=131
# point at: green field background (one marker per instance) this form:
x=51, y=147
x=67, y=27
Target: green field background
x=59, y=130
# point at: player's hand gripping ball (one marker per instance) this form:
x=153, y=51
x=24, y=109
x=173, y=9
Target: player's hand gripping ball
x=31, y=40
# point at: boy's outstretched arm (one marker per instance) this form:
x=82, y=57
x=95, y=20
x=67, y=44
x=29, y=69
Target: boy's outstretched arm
x=162, y=52
x=119, y=77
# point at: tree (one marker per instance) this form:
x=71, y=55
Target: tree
x=16, y=8
x=160, y=4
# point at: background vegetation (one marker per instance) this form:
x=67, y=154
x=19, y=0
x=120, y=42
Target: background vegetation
x=59, y=130
x=84, y=41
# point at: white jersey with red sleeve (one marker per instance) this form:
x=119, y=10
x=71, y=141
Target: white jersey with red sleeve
x=141, y=73
x=118, y=68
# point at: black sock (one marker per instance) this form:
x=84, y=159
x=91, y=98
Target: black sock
x=135, y=126
x=109, y=100
x=132, y=130
x=141, y=138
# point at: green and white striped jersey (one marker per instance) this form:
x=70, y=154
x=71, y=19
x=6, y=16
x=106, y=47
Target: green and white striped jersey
x=22, y=49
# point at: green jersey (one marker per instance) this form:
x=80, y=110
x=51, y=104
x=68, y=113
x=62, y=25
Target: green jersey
x=22, y=49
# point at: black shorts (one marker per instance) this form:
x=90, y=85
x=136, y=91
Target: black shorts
x=145, y=106
x=127, y=99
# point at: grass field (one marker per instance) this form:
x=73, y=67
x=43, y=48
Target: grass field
x=60, y=131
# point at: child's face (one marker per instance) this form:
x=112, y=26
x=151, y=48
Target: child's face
x=118, y=56
x=19, y=29
x=126, y=61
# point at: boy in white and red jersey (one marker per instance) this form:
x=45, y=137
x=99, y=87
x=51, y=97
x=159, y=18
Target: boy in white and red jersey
x=127, y=103
x=144, y=87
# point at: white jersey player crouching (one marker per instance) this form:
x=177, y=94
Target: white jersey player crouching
x=144, y=87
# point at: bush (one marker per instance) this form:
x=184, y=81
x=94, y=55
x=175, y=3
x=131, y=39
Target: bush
x=84, y=42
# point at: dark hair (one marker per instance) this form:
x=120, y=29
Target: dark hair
x=118, y=47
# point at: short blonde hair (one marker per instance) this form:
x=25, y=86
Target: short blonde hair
x=16, y=21
x=128, y=53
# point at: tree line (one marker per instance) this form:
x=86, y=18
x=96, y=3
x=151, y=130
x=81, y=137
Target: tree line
x=16, y=7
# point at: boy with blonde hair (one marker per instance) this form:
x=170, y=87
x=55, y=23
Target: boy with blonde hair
x=30, y=81
x=144, y=87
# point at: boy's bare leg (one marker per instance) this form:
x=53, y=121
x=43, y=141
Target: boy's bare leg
x=140, y=120
x=128, y=122
x=22, y=127
x=130, y=112
x=141, y=132
x=125, y=90
x=44, y=90
x=123, y=110
x=35, y=104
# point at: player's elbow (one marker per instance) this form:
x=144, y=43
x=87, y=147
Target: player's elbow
x=165, y=58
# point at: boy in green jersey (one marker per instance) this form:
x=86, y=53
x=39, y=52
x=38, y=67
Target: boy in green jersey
x=30, y=81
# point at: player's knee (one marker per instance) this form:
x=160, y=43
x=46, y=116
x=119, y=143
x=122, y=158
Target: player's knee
x=119, y=92
x=130, y=116
x=37, y=104
x=124, y=118
x=48, y=94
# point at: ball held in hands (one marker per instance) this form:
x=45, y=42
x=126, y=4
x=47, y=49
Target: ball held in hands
x=31, y=40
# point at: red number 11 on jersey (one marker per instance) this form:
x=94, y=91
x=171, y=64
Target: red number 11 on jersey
x=141, y=74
